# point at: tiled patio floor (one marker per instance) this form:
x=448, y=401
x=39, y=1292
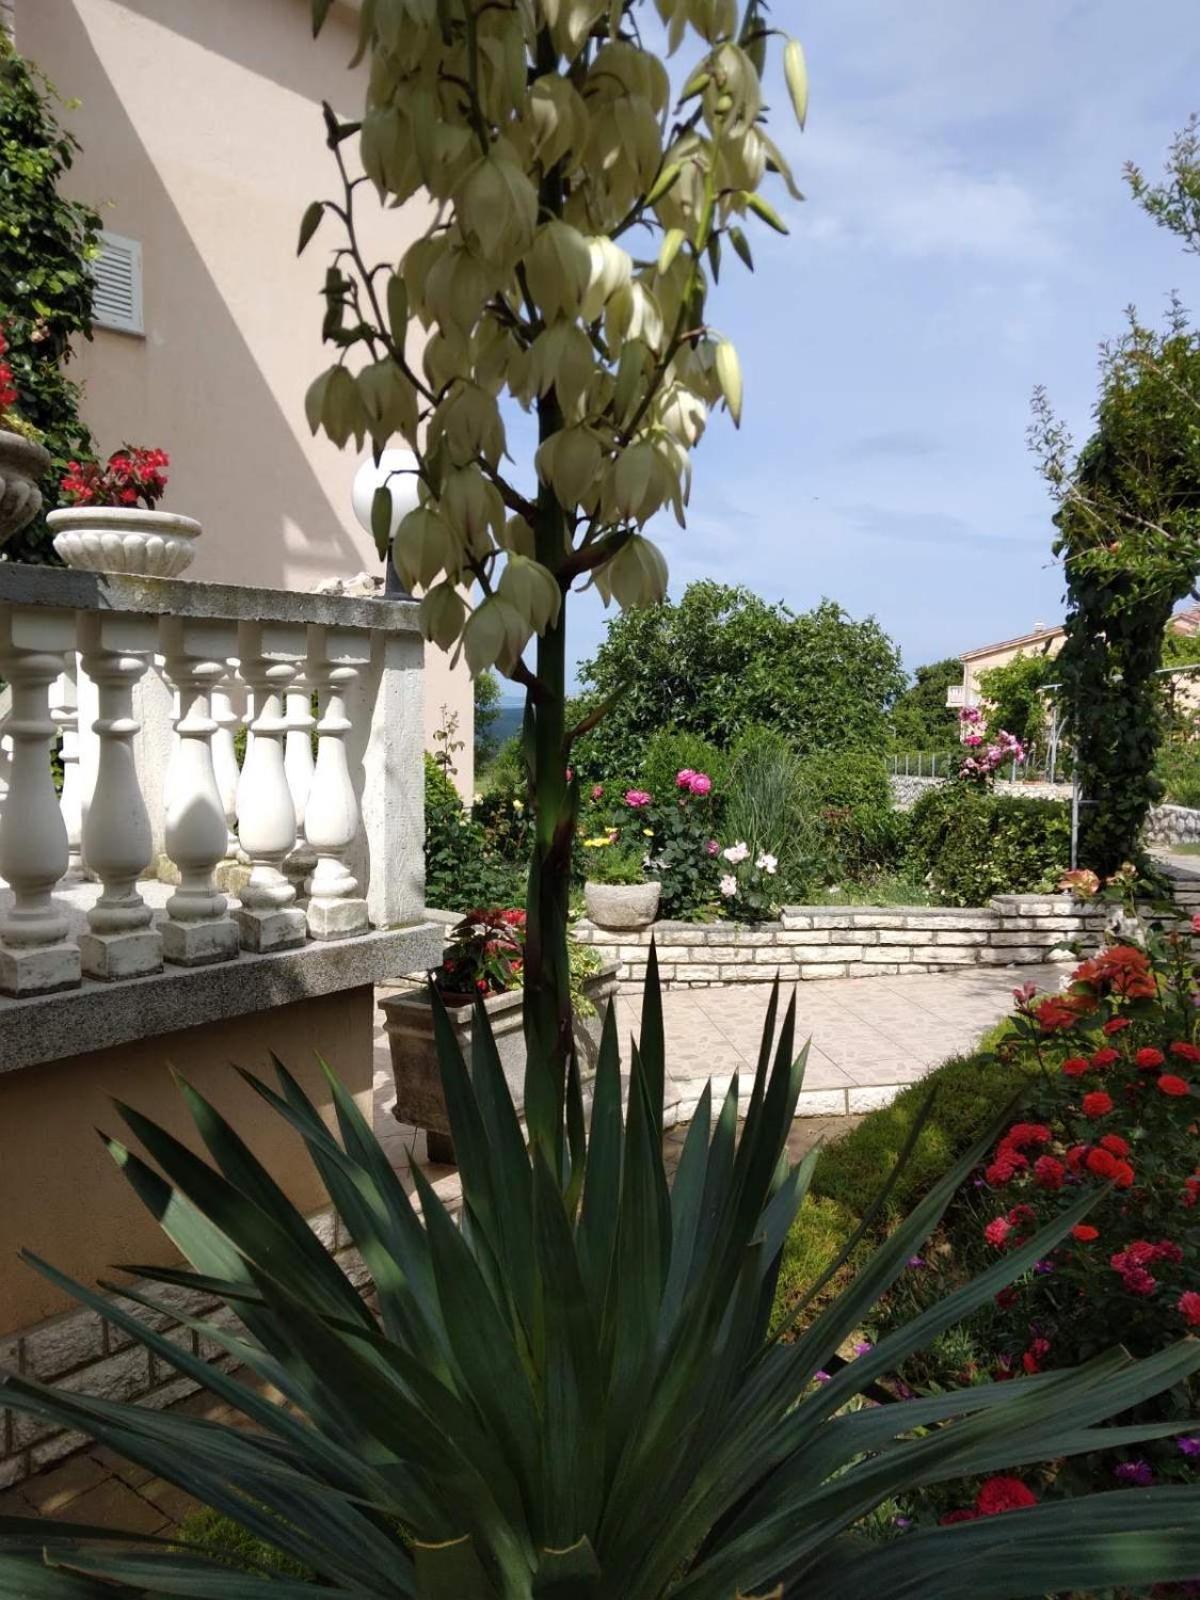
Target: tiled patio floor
x=870, y=1036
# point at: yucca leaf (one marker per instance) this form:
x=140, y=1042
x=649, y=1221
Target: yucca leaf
x=597, y=1228
x=717, y=1180
x=652, y=1039
x=1088, y=1543
x=511, y=1176
x=196, y=1575
x=570, y=1574
x=576, y=1134
x=451, y=1571
x=687, y=1196
x=26, y=1578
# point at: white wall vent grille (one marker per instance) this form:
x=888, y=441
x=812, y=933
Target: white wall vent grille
x=117, y=271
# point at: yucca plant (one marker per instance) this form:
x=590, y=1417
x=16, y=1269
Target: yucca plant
x=576, y=1393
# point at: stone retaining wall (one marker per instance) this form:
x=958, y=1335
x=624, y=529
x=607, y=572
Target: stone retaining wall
x=1172, y=825
x=813, y=942
x=907, y=790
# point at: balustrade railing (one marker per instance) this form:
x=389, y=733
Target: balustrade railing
x=133, y=692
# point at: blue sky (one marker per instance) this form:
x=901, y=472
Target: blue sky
x=966, y=235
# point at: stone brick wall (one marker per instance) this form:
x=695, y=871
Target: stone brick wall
x=84, y=1353
x=1173, y=825
x=812, y=942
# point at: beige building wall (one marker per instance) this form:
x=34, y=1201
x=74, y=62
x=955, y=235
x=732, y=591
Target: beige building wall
x=202, y=139
x=1048, y=641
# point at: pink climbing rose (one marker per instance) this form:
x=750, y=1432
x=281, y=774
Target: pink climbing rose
x=636, y=798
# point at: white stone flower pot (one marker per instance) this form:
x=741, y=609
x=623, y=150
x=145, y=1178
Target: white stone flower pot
x=147, y=544
x=621, y=905
x=22, y=463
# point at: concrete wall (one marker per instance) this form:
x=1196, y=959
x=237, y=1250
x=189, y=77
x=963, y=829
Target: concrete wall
x=1048, y=644
x=202, y=138
x=65, y=1199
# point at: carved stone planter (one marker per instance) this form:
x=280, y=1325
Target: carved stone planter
x=419, y=1099
x=22, y=463
x=621, y=905
x=146, y=544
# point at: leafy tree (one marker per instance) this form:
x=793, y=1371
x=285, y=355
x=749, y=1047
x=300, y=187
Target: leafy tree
x=720, y=658
x=920, y=718
x=1014, y=696
x=46, y=242
x=579, y=206
x=487, y=709
x=1129, y=535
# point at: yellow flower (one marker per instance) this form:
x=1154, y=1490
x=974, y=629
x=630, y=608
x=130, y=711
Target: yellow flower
x=649, y=832
x=597, y=844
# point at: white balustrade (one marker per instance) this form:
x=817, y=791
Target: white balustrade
x=146, y=714
x=117, y=838
x=36, y=954
x=336, y=908
x=197, y=930
x=225, y=761
x=64, y=713
x=269, y=917
x=298, y=764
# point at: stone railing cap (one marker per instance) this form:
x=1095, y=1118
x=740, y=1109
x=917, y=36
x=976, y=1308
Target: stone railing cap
x=22, y=585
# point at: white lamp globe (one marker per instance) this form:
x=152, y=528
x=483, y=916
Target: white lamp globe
x=396, y=469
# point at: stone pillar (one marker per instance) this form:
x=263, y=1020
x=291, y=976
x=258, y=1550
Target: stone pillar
x=197, y=930
x=64, y=712
x=386, y=749
x=298, y=764
x=336, y=909
x=269, y=917
x=36, y=954
x=117, y=838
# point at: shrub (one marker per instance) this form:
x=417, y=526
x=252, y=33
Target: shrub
x=1178, y=769
x=765, y=808
x=506, y=772
x=674, y=750
x=970, y=845
x=462, y=869
x=847, y=798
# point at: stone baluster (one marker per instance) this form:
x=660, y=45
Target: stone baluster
x=269, y=917
x=225, y=762
x=336, y=908
x=298, y=764
x=64, y=713
x=117, y=838
x=197, y=930
x=36, y=954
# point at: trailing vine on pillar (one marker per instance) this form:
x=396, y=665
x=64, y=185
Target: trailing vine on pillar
x=46, y=242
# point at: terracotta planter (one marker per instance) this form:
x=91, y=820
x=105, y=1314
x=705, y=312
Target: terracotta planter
x=22, y=464
x=409, y=1025
x=621, y=905
x=145, y=544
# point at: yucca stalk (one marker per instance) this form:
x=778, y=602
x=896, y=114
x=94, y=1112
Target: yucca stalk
x=576, y=1401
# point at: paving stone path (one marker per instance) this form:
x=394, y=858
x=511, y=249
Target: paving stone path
x=870, y=1037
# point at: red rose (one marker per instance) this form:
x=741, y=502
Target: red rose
x=1106, y=1057
x=1023, y=1133
x=1189, y=1305
x=1076, y=1066
x=1115, y=1025
x=1101, y=1162
x=1085, y=1233
x=1076, y=1156
x=1170, y=1084
x=997, y=1231
x=1048, y=1173
x=998, y=1495
x=1149, y=1058
x=1114, y=1144
x=1168, y=1250
x=1123, y=1176
x=1185, y=1051
x=1099, y=1104
x=965, y=1514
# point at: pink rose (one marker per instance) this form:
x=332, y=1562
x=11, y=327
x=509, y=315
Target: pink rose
x=598, y=791
x=683, y=778
x=636, y=798
x=711, y=848
x=701, y=783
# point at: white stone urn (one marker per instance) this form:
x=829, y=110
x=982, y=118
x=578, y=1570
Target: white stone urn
x=22, y=463
x=621, y=905
x=147, y=544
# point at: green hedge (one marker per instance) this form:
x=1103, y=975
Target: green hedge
x=462, y=867
x=970, y=845
x=970, y=1091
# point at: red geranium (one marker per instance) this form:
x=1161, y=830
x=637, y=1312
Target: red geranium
x=1106, y=1057
x=1170, y=1084
x=8, y=389
x=1185, y=1051
x=1076, y=1066
x=1146, y=1059
x=997, y=1231
x=1116, y=1024
x=1114, y=1144
x=1096, y=1104
x=1189, y=1304
x=1085, y=1233
x=998, y=1495
x=1048, y=1172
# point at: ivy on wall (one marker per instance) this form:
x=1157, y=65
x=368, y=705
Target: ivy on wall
x=46, y=242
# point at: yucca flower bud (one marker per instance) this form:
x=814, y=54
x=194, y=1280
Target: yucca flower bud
x=423, y=547
x=494, y=636
x=442, y=614
x=569, y=461
x=611, y=270
x=532, y=590
x=558, y=269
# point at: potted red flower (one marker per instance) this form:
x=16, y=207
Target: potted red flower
x=484, y=959
x=111, y=523
x=22, y=458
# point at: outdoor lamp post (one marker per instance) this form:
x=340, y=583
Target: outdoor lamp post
x=398, y=470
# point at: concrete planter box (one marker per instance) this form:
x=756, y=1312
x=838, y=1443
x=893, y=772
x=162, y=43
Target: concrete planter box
x=22, y=463
x=409, y=1027
x=622, y=905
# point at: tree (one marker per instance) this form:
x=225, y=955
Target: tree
x=46, y=243
x=720, y=659
x=1014, y=696
x=580, y=205
x=920, y=718
x=1129, y=536
x=487, y=709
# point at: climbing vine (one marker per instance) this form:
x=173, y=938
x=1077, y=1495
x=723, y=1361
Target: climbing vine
x=46, y=241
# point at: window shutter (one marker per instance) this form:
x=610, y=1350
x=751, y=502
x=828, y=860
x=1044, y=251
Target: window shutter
x=117, y=272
